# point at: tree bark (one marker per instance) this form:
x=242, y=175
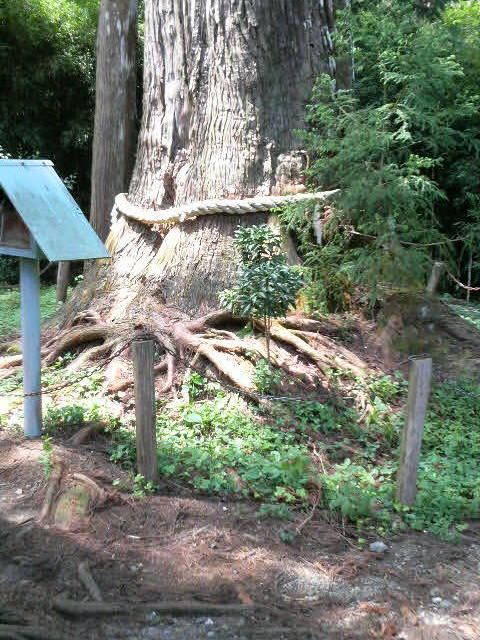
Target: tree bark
x=226, y=83
x=115, y=108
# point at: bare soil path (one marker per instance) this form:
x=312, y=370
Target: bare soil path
x=179, y=547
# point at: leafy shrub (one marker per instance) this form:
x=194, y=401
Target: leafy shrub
x=65, y=419
x=400, y=146
x=358, y=493
x=267, y=286
x=265, y=377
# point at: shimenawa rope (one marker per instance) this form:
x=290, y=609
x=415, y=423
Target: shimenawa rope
x=210, y=207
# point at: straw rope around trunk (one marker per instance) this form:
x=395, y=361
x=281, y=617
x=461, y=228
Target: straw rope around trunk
x=210, y=207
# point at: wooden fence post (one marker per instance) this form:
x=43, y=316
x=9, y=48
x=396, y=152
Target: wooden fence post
x=63, y=280
x=437, y=272
x=419, y=383
x=145, y=409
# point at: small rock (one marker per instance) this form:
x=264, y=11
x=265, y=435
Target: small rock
x=19, y=492
x=208, y=622
x=446, y=604
x=436, y=600
x=210, y=634
x=150, y=617
x=378, y=547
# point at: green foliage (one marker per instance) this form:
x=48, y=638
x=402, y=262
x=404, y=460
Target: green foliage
x=359, y=494
x=142, y=488
x=194, y=385
x=63, y=420
x=401, y=146
x=10, y=307
x=9, y=270
x=468, y=312
x=46, y=457
x=48, y=83
x=449, y=474
x=267, y=286
x=218, y=447
x=265, y=377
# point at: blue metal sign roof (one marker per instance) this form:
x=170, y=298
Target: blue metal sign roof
x=54, y=219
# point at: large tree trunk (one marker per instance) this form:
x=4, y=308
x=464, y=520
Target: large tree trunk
x=225, y=87
x=115, y=108
x=226, y=84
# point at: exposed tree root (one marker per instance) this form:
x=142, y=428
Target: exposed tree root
x=87, y=317
x=171, y=369
x=353, y=362
x=232, y=371
x=85, y=434
x=295, y=321
x=19, y=631
x=52, y=490
x=90, y=355
x=324, y=358
x=285, y=335
x=125, y=384
x=162, y=607
x=77, y=337
x=9, y=372
x=11, y=361
x=204, y=337
x=88, y=581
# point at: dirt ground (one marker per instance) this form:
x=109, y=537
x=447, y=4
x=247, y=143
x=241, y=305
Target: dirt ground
x=177, y=547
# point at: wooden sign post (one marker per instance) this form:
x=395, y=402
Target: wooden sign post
x=418, y=393
x=30, y=314
x=39, y=219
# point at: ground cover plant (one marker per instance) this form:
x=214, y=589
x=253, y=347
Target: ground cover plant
x=214, y=445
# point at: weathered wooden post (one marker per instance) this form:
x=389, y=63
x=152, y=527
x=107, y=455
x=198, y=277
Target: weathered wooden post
x=437, y=272
x=419, y=383
x=145, y=409
x=63, y=279
x=39, y=219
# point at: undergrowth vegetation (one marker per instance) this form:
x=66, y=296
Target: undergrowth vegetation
x=216, y=445
x=345, y=451
x=399, y=145
x=10, y=307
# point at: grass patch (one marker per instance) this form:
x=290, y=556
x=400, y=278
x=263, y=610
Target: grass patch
x=10, y=307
